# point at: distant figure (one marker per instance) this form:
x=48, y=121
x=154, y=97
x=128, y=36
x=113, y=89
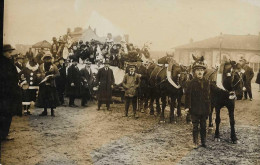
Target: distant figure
x=39, y=56
x=73, y=82
x=10, y=94
x=54, y=47
x=106, y=80
x=258, y=79
x=86, y=83
x=61, y=80
x=29, y=55
x=48, y=97
x=247, y=77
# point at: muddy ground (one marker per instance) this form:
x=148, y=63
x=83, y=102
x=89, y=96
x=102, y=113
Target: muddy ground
x=87, y=136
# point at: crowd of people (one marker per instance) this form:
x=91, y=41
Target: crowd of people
x=46, y=78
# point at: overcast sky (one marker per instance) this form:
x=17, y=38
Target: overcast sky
x=166, y=23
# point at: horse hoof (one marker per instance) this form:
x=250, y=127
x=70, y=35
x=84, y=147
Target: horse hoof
x=161, y=121
x=217, y=139
x=234, y=142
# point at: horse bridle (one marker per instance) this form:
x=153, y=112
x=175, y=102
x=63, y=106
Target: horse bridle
x=240, y=79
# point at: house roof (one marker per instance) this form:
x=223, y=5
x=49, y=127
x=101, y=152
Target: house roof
x=237, y=42
x=42, y=44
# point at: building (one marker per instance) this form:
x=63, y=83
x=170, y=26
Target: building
x=218, y=49
x=89, y=34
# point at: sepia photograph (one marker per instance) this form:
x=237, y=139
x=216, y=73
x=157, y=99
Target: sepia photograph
x=130, y=82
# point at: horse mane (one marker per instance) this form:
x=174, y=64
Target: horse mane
x=211, y=74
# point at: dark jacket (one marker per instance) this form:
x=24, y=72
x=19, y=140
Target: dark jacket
x=53, y=70
x=198, y=96
x=131, y=83
x=86, y=81
x=258, y=78
x=10, y=92
x=48, y=97
x=61, y=79
x=73, y=76
x=105, y=80
x=248, y=75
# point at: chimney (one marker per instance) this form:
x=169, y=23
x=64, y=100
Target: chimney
x=95, y=31
x=191, y=40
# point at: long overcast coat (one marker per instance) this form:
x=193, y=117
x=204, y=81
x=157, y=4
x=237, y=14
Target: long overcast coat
x=105, y=79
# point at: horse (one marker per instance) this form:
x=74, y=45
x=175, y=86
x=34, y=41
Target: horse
x=233, y=83
x=166, y=81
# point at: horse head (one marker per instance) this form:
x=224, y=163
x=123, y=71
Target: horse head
x=177, y=75
x=232, y=78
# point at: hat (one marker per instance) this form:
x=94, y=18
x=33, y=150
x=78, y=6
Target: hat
x=74, y=59
x=46, y=56
x=7, y=48
x=199, y=63
x=54, y=38
x=88, y=62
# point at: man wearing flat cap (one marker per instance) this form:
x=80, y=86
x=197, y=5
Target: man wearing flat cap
x=247, y=78
x=131, y=82
x=10, y=94
x=105, y=80
x=198, y=100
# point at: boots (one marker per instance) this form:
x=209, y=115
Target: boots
x=44, y=113
x=52, y=112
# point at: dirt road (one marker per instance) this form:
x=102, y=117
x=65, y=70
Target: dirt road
x=87, y=136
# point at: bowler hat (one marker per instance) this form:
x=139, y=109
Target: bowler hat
x=7, y=48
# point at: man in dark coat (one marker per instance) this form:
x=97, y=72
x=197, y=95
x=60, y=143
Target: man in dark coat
x=61, y=79
x=198, y=101
x=86, y=82
x=106, y=80
x=247, y=78
x=10, y=94
x=73, y=82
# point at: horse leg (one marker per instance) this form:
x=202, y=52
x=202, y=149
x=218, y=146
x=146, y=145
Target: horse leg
x=151, y=105
x=217, y=120
x=172, y=106
x=210, y=117
x=162, y=119
x=158, y=108
x=179, y=105
x=232, y=123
